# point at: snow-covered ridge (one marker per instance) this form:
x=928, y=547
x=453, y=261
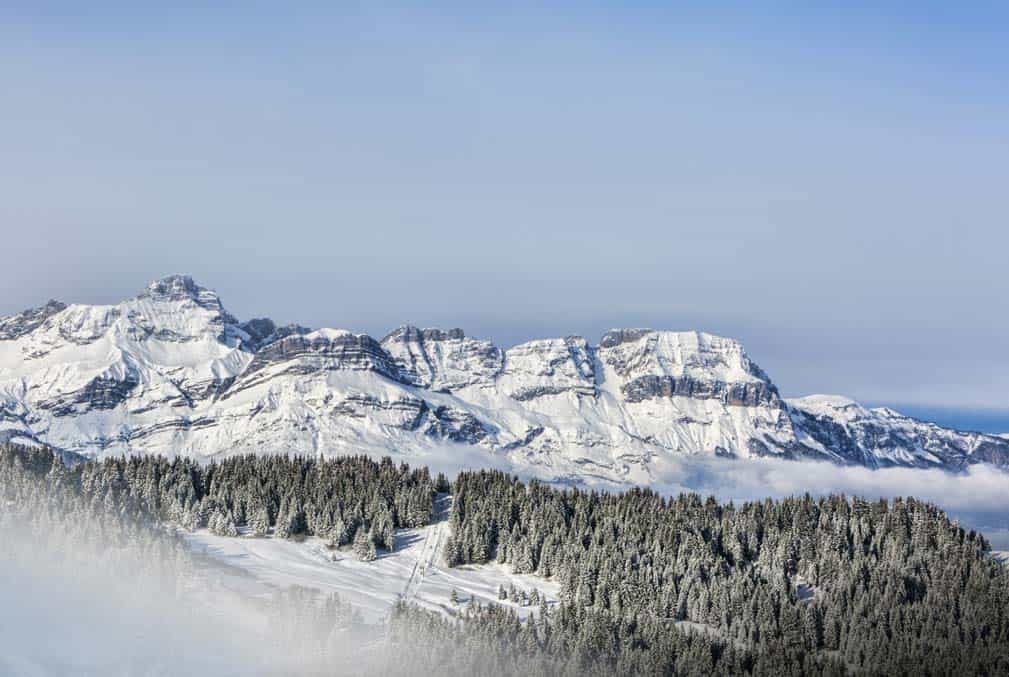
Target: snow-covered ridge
x=170, y=371
x=882, y=436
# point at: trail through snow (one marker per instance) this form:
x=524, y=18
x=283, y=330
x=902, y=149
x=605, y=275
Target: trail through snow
x=430, y=548
x=414, y=572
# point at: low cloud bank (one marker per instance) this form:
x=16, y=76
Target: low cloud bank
x=979, y=498
x=68, y=608
x=109, y=600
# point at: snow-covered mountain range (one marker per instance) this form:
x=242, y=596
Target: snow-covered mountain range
x=171, y=372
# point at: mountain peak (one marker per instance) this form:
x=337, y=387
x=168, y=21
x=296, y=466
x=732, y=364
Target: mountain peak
x=615, y=337
x=18, y=325
x=181, y=288
x=828, y=405
x=411, y=333
x=53, y=306
x=179, y=284
x=442, y=359
x=168, y=371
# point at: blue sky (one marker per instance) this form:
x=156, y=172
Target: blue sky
x=826, y=184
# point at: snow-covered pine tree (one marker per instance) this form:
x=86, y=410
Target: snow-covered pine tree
x=364, y=545
x=259, y=522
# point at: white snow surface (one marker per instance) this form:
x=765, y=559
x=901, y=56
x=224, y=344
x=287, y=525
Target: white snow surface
x=835, y=406
x=414, y=572
x=171, y=372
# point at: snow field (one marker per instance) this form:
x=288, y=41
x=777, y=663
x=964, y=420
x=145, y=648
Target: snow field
x=415, y=572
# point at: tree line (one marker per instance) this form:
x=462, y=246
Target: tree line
x=347, y=500
x=881, y=587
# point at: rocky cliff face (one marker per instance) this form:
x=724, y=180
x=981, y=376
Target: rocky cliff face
x=548, y=367
x=170, y=371
x=657, y=365
x=442, y=360
x=881, y=437
x=12, y=328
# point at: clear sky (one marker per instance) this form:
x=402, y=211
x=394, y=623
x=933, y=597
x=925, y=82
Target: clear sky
x=827, y=185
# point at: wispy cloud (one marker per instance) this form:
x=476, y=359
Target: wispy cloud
x=978, y=497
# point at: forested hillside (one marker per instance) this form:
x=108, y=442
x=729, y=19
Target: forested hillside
x=649, y=584
x=886, y=587
x=340, y=499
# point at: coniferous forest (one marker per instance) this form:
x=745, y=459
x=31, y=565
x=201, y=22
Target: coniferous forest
x=649, y=584
x=796, y=586
x=338, y=499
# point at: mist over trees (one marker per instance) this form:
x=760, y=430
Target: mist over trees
x=96, y=587
x=344, y=500
x=649, y=584
x=799, y=585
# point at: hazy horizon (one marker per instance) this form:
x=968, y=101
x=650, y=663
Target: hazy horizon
x=824, y=186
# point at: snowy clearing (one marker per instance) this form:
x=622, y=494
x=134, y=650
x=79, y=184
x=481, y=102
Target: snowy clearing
x=414, y=572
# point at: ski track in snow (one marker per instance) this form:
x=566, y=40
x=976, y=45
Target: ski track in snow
x=413, y=572
x=428, y=558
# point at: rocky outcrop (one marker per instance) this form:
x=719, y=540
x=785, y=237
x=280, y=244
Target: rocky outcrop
x=176, y=288
x=616, y=337
x=406, y=413
x=881, y=437
x=549, y=367
x=646, y=352
x=442, y=360
x=83, y=325
x=456, y=425
x=651, y=365
x=753, y=394
x=262, y=331
x=414, y=414
x=19, y=325
x=993, y=451
x=324, y=350
x=101, y=393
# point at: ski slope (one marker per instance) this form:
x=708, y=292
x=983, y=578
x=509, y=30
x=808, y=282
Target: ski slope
x=414, y=572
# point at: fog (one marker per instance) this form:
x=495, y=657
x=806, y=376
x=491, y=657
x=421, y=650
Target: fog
x=979, y=498
x=83, y=601
x=70, y=609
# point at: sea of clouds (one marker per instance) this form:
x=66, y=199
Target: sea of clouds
x=978, y=497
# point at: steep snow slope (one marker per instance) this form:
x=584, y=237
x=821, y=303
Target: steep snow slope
x=171, y=372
